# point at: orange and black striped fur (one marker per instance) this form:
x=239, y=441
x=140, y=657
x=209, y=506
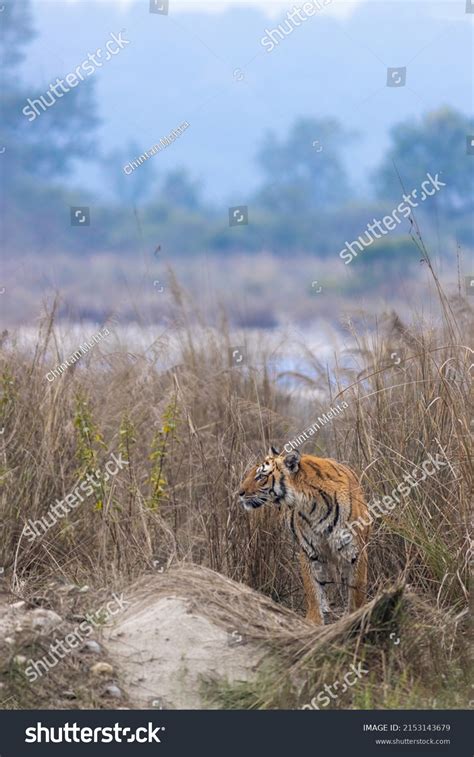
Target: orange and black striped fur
x=320, y=498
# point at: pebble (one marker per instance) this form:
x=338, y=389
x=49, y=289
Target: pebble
x=44, y=621
x=101, y=668
x=112, y=691
x=69, y=695
x=92, y=646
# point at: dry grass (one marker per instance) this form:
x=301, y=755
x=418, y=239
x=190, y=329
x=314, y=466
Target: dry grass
x=189, y=434
x=399, y=637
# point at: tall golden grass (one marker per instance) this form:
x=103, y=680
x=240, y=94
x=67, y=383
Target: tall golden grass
x=190, y=432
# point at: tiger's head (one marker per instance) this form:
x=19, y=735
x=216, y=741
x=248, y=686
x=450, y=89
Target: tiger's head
x=270, y=480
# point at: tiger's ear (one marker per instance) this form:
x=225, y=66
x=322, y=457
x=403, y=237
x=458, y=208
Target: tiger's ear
x=273, y=452
x=292, y=461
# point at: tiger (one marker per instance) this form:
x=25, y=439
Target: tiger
x=318, y=498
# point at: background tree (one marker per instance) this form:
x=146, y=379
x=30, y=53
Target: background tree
x=181, y=191
x=133, y=188
x=434, y=144
x=305, y=171
x=40, y=151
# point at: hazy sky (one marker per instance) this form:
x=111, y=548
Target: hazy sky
x=209, y=67
x=271, y=8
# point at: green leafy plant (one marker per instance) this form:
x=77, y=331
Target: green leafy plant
x=158, y=453
x=89, y=442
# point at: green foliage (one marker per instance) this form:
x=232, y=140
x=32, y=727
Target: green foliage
x=7, y=388
x=270, y=689
x=158, y=454
x=7, y=404
x=127, y=437
x=89, y=442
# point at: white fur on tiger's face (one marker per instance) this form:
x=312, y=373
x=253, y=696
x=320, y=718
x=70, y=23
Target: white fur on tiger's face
x=264, y=483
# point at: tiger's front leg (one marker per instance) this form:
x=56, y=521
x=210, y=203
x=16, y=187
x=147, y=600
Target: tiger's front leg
x=322, y=578
x=312, y=596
